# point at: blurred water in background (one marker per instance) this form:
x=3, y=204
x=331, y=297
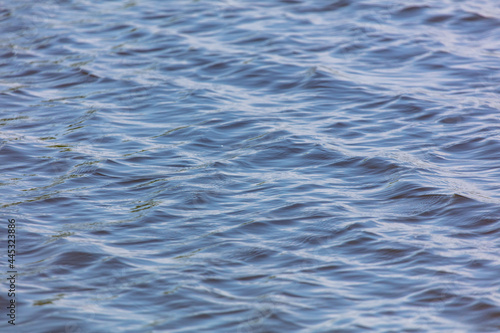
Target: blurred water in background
x=252, y=166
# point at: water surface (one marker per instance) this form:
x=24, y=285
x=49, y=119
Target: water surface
x=252, y=166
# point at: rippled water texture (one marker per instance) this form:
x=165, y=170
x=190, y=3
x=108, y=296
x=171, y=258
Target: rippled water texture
x=252, y=166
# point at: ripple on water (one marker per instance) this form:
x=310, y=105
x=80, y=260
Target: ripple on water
x=258, y=166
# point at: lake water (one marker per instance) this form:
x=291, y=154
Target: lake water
x=251, y=166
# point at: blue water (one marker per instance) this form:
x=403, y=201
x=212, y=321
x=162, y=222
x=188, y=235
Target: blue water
x=251, y=166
